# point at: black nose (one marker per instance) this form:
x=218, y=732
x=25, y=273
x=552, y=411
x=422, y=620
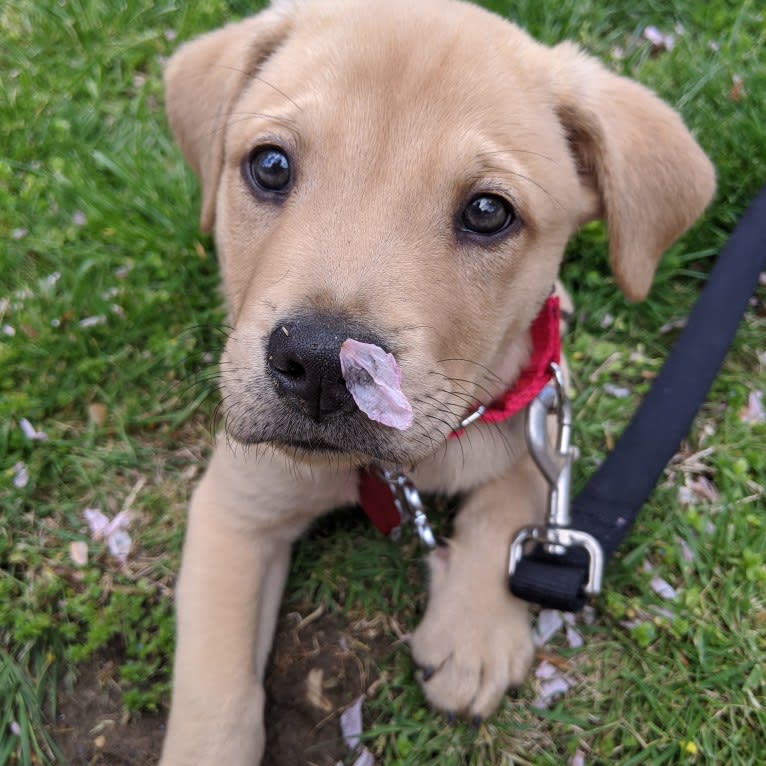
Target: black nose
x=303, y=357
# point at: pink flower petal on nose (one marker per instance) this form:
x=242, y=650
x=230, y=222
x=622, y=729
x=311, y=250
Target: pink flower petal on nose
x=374, y=380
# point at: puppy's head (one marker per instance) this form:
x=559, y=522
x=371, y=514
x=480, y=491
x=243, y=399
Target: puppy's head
x=408, y=177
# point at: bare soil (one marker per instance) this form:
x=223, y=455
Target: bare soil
x=319, y=666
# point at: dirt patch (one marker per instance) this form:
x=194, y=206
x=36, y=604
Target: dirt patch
x=92, y=727
x=319, y=666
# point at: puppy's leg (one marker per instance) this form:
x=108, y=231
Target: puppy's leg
x=475, y=639
x=243, y=519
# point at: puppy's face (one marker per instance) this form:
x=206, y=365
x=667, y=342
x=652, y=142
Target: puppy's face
x=409, y=179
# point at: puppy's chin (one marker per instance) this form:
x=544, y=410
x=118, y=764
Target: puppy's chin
x=339, y=445
x=317, y=455
x=351, y=444
x=253, y=415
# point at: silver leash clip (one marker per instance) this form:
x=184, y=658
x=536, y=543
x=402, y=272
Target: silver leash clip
x=408, y=504
x=555, y=463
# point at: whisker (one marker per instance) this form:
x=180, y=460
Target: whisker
x=471, y=361
x=475, y=383
x=436, y=418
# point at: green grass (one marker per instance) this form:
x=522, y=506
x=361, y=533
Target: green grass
x=98, y=218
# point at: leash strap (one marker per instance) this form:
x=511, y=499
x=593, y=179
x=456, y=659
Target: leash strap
x=608, y=504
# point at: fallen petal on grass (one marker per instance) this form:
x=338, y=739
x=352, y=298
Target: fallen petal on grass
x=574, y=639
x=546, y=670
x=365, y=758
x=663, y=588
x=31, y=432
x=549, y=622
x=351, y=723
x=48, y=283
x=618, y=392
x=114, y=531
x=97, y=522
x=686, y=551
x=93, y=321
x=551, y=690
x=20, y=475
x=753, y=412
x=660, y=41
x=119, y=545
x=675, y=324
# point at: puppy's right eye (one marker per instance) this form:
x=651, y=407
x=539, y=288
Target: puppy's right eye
x=487, y=214
x=268, y=169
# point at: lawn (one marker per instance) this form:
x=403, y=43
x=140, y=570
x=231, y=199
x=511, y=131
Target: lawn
x=110, y=327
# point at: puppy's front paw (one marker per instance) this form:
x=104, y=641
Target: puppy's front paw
x=475, y=640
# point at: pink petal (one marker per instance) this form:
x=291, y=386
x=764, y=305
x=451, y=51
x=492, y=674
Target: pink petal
x=546, y=670
x=374, y=380
x=686, y=551
x=351, y=723
x=97, y=522
x=365, y=758
x=663, y=588
x=574, y=639
x=31, y=432
x=658, y=39
x=119, y=545
x=550, y=690
x=753, y=413
x=20, y=475
x=549, y=622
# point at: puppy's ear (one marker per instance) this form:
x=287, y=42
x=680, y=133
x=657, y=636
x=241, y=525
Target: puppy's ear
x=203, y=80
x=644, y=173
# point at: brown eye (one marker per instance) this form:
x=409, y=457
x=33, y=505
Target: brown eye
x=487, y=214
x=269, y=169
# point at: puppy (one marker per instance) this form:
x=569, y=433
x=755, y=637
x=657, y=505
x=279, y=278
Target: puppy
x=407, y=176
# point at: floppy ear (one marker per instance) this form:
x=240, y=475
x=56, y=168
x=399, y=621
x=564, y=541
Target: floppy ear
x=203, y=80
x=651, y=179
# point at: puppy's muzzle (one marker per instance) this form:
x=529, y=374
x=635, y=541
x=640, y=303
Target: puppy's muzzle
x=303, y=359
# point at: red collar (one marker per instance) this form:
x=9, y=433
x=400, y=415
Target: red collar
x=375, y=497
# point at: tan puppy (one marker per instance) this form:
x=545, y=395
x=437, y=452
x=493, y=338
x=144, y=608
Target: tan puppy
x=408, y=175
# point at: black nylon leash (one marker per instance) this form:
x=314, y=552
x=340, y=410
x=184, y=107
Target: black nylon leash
x=607, y=506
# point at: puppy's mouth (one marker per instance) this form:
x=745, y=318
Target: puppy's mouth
x=355, y=451
x=352, y=438
x=305, y=445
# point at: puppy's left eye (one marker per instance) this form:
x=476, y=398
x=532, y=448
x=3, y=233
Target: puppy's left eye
x=268, y=168
x=487, y=214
